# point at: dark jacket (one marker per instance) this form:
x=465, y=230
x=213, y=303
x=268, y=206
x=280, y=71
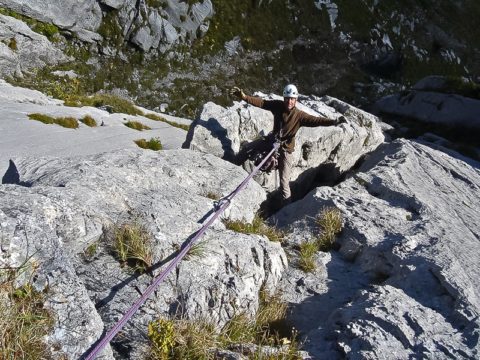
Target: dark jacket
x=286, y=123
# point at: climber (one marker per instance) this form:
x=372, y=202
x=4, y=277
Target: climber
x=287, y=119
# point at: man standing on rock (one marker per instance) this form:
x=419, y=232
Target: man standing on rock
x=287, y=119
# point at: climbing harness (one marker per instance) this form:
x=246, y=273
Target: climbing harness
x=259, y=154
x=220, y=208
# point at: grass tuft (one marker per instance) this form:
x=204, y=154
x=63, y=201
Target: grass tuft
x=197, y=250
x=67, y=122
x=136, y=125
x=199, y=339
x=171, y=123
x=24, y=322
x=132, y=246
x=89, y=121
x=306, y=262
x=152, y=144
x=258, y=226
x=330, y=222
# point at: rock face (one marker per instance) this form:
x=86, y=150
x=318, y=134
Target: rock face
x=404, y=281
x=82, y=17
x=221, y=131
x=158, y=28
x=22, y=50
x=154, y=27
x=64, y=207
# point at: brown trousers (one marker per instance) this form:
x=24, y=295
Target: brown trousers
x=285, y=162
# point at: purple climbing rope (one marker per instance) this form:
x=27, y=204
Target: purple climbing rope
x=224, y=203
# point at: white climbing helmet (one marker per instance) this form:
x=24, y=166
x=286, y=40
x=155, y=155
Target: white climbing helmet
x=290, y=91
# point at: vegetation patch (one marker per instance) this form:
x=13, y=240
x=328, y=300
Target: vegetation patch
x=132, y=246
x=46, y=29
x=152, y=144
x=89, y=121
x=258, y=226
x=199, y=339
x=24, y=322
x=330, y=223
x=136, y=125
x=171, y=123
x=111, y=103
x=12, y=44
x=68, y=122
x=212, y=195
x=308, y=250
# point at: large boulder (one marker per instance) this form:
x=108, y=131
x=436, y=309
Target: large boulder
x=404, y=280
x=60, y=207
x=23, y=50
x=432, y=100
x=221, y=131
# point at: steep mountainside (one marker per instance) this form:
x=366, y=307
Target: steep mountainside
x=178, y=54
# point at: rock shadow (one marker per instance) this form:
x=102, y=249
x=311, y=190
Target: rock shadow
x=12, y=176
x=217, y=131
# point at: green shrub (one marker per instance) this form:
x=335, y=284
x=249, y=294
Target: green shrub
x=171, y=123
x=152, y=144
x=68, y=122
x=49, y=30
x=89, y=121
x=136, y=125
x=330, y=222
x=132, y=246
x=258, y=226
x=306, y=261
x=24, y=322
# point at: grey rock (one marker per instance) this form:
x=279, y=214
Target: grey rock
x=116, y=4
x=65, y=207
x=426, y=104
x=404, y=279
x=30, y=50
x=221, y=131
x=79, y=16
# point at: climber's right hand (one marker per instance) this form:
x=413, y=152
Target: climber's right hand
x=237, y=92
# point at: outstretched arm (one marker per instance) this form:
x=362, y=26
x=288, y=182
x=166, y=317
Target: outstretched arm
x=252, y=100
x=312, y=121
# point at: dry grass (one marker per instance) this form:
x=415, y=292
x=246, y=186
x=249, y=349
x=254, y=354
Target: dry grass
x=330, y=222
x=132, y=245
x=136, y=125
x=171, y=123
x=89, y=121
x=24, y=322
x=198, y=339
x=258, y=226
x=212, y=195
x=153, y=144
x=306, y=260
x=67, y=122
